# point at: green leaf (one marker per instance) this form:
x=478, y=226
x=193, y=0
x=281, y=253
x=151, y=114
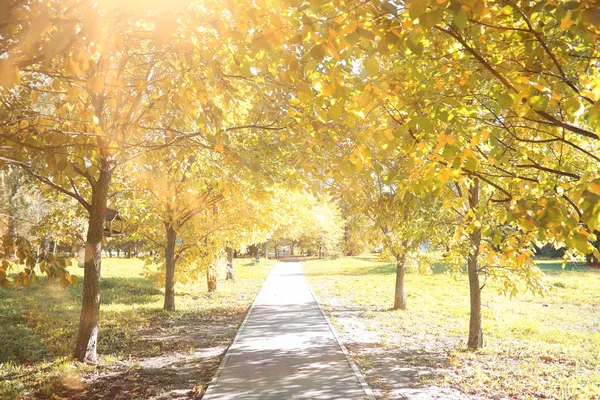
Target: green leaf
x=461, y=19
x=415, y=47
x=538, y=102
x=449, y=152
x=470, y=163
x=371, y=65
x=417, y=8
x=505, y=100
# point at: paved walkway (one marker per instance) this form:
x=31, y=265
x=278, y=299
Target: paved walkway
x=285, y=348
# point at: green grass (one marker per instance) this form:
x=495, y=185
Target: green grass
x=535, y=347
x=38, y=325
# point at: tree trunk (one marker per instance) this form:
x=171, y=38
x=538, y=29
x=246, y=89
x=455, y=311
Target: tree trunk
x=475, y=331
x=87, y=336
x=292, y=249
x=399, y=301
x=266, y=250
x=211, y=278
x=11, y=235
x=230, y=270
x=170, y=269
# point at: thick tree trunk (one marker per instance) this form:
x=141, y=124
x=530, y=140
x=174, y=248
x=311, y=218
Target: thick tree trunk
x=230, y=270
x=475, y=332
x=87, y=336
x=266, y=250
x=170, y=269
x=211, y=278
x=399, y=300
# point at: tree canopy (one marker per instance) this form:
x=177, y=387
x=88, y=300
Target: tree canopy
x=467, y=126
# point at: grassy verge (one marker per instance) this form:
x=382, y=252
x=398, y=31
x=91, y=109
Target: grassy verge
x=535, y=347
x=137, y=339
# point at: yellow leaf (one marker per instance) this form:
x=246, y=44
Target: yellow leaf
x=566, y=22
x=371, y=65
x=23, y=124
x=335, y=112
x=594, y=186
x=219, y=148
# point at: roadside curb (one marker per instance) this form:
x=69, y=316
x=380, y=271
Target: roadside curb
x=357, y=373
x=210, y=389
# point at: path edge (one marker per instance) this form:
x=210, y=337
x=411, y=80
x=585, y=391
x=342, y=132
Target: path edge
x=211, y=385
x=361, y=379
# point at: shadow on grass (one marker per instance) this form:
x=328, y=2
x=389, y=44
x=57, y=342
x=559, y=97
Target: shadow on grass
x=128, y=290
x=394, y=372
x=18, y=342
x=366, y=270
x=398, y=373
x=169, y=377
x=161, y=355
x=40, y=323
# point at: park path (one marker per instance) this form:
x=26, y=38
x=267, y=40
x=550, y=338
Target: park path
x=286, y=348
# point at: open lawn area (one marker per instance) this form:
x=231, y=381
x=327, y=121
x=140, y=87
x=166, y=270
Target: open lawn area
x=534, y=347
x=145, y=352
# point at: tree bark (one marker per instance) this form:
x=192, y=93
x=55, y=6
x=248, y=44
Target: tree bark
x=12, y=234
x=87, y=336
x=230, y=270
x=475, y=332
x=169, y=304
x=399, y=300
x=211, y=278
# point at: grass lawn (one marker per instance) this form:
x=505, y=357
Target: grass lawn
x=145, y=351
x=534, y=347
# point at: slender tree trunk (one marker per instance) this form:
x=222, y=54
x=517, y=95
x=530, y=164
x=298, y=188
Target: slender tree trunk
x=399, y=300
x=170, y=269
x=11, y=236
x=87, y=336
x=230, y=270
x=266, y=250
x=292, y=249
x=211, y=278
x=475, y=331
